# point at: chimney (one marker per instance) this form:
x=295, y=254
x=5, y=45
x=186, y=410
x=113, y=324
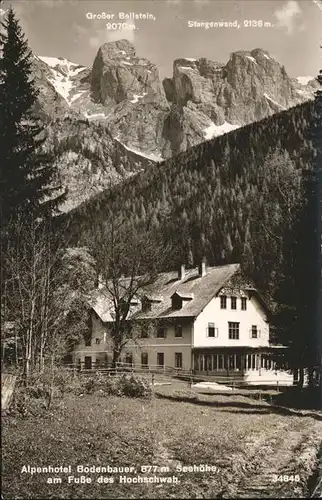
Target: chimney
x=202, y=268
x=182, y=272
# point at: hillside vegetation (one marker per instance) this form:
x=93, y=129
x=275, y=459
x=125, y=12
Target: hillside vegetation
x=230, y=199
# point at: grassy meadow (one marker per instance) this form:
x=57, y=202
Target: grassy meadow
x=252, y=445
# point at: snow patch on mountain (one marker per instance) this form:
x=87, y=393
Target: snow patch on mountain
x=274, y=102
x=149, y=156
x=62, y=85
x=77, y=95
x=63, y=71
x=95, y=116
x=74, y=72
x=304, y=80
x=136, y=97
x=62, y=63
x=51, y=61
x=214, y=130
x=252, y=59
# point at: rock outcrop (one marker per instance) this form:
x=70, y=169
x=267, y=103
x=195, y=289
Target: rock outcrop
x=216, y=97
x=130, y=87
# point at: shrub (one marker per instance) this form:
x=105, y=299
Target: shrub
x=111, y=386
x=134, y=387
x=37, y=395
x=124, y=385
x=25, y=404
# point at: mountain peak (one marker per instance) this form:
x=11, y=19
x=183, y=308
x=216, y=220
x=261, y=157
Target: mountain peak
x=53, y=62
x=62, y=74
x=140, y=120
x=117, y=49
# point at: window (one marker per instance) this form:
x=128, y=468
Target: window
x=254, y=332
x=178, y=359
x=146, y=304
x=129, y=359
x=88, y=340
x=176, y=302
x=233, y=302
x=161, y=332
x=98, y=341
x=223, y=302
x=233, y=330
x=178, y=331
x=144, y=359
x=144, y=333
x=243, y=303
x=160, y=358
x=212, y=331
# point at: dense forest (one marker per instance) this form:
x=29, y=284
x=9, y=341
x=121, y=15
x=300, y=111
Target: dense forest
x=231, y=199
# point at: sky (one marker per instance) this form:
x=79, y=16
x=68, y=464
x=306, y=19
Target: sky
x=291, y=30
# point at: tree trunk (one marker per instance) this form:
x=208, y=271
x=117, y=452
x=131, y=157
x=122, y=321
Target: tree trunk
x=116, y=357
x=320, y=386
x=16, y=350
x=26, y=371
x=52, y=379
x=41, y=361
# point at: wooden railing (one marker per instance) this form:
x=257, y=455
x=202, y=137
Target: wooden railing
x=165, y=372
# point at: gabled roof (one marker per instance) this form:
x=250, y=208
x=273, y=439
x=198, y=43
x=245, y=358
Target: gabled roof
x=199, y=289
x=100, y=302
x=153, y=298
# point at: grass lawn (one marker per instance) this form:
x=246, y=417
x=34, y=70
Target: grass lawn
x=247, y=440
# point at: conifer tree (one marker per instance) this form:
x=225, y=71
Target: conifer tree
x=29, y=194
x=27, y=175
x=297, y=291
x=318, y=173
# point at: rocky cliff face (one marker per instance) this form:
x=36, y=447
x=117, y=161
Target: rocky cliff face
x=130, y=87
x=213, y=98
x=110, y=121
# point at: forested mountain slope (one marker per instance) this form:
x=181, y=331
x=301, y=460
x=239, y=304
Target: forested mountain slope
x=230, y=199
x=88, y=159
